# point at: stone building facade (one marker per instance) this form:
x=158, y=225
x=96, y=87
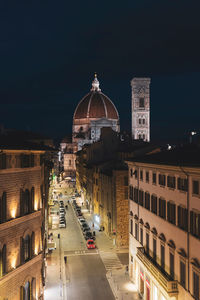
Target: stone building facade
x=141, y=108
x=164, y=238
x=22, y=224
x=101, y=178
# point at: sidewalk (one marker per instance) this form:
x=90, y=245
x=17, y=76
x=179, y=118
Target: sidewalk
x=121, y=286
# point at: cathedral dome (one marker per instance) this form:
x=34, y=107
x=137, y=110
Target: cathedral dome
x=96, y=105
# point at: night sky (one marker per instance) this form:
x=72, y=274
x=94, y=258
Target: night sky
x=49, y=51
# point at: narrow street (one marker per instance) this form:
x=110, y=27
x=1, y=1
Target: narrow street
x=84, y=275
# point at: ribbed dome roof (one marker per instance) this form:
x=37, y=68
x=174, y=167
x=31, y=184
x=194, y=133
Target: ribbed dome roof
x=96, y=105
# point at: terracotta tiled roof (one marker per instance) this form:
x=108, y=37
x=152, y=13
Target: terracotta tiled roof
x=96, y=105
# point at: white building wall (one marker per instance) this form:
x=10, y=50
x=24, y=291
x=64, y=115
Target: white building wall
x=170, y=231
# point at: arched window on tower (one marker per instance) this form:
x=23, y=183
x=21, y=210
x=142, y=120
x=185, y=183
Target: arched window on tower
x=143, y=121
x=141, y=102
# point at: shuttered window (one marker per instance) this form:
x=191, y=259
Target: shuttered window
x=171, y=212
x=147, y=200
x=182, y=273
x=196, y=286
x=141, y=198
x=171, y=182
x=154, y=204
x=162, y=254
x=195, y=223
x=183, y=184
x=182, y=218
x=162, y=208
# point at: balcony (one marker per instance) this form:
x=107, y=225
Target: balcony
x=170, y=285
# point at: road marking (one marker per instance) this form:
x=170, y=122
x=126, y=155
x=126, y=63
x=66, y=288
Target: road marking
x=110, y=260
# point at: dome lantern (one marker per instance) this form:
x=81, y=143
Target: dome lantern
x=95, y=84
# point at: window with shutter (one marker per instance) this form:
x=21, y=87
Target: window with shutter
x=147, y=200
x=195, y=189
x=154, y=178
x=154, y=250
x=196, y=286
x=136, y=231
x=182, y=273
x=162, y=250
x=153, y=204
x=141, y=198
x=141, y=236
x=171, y=258
x=147, y=243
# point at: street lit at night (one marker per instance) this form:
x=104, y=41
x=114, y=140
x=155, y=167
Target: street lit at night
x=100, y=150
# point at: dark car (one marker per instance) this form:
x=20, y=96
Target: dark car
x=88, y=235
x=85, y=229
x=79, y=213
x=84, y=225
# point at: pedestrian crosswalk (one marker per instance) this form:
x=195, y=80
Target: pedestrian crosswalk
x=110, y=260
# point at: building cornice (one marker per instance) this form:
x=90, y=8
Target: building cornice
x=22, y=268
x=19, y=220
x=18, y=170
x=191, y=170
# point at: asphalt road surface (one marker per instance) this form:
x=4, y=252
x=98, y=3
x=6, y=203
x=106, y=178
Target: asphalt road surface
x=86, y=279
x=85, y=271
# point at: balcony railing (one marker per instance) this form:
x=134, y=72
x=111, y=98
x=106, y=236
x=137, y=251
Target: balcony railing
x=170, y=285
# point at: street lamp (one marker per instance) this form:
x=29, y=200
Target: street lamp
x=191, y=135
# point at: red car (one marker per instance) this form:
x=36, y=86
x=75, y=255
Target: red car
x=90, y=244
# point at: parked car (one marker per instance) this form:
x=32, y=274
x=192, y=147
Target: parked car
x=61, y=202
x=84, y=224
x=62, y=225
x=61, y=209
x=90, y=244
x=80, y=217
x=61, y=220
x=88, y=235
x=81, y=220
x=85, y=229
x=62, y=213
x=79, y=213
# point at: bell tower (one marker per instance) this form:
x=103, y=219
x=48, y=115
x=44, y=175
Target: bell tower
x=141, y=108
